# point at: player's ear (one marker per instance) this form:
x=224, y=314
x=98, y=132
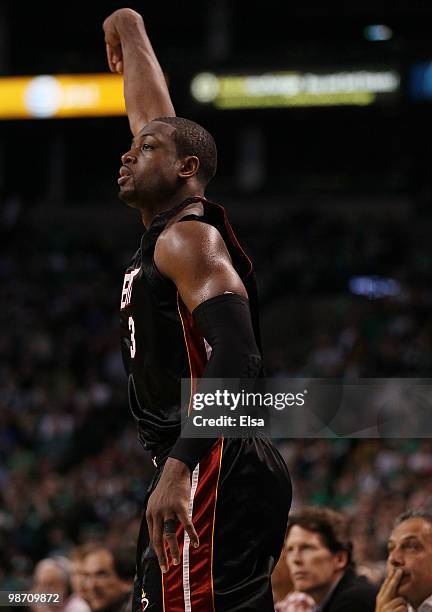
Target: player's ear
x=189, y=166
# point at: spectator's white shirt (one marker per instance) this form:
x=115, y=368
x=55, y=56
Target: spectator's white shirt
x=295, y=601
x=76, y=604
x=425, y=607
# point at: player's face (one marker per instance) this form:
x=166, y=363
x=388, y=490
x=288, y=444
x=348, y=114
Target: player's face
x=410, y=549
x=102, y=586
x=150, y=168
x=313, y=567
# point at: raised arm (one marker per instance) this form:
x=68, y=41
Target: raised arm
x=129, y=52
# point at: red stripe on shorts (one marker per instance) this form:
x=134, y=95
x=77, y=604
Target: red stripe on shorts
x=200, y=567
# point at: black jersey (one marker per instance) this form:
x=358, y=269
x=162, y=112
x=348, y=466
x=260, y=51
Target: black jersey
x=160, y=343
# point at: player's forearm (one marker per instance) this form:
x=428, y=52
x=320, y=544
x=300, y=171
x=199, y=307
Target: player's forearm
x=225, y=322
x=145, y=89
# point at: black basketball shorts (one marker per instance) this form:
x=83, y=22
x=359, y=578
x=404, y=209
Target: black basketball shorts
x=240, y=499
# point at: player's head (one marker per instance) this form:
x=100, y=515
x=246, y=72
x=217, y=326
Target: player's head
x=108, y=576
x=410, y=549
x=318, y=550
x=170, y=155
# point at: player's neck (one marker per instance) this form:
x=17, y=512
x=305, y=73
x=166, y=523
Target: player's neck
x=150, y=212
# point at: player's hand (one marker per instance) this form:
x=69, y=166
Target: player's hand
x=112, y=27
x=170, y=502
x=113, y=44
x=387, y=598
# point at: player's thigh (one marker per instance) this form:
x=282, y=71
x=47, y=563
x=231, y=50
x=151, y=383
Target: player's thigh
x=254, y=498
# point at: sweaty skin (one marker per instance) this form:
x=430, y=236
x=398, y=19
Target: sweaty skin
x=194, y=256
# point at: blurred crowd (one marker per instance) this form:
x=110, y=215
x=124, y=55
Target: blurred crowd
x=71, y=469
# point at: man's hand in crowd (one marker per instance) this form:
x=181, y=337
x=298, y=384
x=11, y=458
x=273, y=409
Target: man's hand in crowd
x=387, y=598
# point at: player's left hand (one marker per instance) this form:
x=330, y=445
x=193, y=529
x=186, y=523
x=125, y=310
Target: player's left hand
x=170, y=502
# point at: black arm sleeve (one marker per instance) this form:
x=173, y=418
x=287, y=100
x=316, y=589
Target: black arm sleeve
x=225, y=322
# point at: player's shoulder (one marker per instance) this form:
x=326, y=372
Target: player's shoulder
x=191, y=234
x=192, y=246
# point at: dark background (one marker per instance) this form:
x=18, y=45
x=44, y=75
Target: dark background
x=353, y=149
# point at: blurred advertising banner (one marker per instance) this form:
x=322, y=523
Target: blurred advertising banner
x=99, y=95
x=61, y=96
x=344, y=87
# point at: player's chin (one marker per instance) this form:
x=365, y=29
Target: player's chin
x=128, y=196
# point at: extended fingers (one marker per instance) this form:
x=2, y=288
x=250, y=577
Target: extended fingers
x=161, y=531
x=389, y=586
x=394, y=583
x=186, y=521
x=158, y=543
x=169, y=533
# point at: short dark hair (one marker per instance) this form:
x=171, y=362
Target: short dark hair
x=80, y=552
x=332, y=526
x=423, y=513
x=124, y=557
x=192, y=139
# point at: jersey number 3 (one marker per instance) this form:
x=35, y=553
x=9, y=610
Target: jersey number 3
x=131, y=324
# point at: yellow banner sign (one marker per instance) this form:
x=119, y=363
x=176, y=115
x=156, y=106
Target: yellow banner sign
x=73, y=95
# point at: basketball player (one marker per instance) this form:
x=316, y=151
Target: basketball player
x=217, y=509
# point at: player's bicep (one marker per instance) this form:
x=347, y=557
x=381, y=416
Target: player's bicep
x=194, y=256
x=209, y=279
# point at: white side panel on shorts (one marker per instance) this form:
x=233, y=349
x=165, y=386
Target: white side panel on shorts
x=186, y=545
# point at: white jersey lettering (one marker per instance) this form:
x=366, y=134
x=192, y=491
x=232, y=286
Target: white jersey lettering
x=126, y=295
